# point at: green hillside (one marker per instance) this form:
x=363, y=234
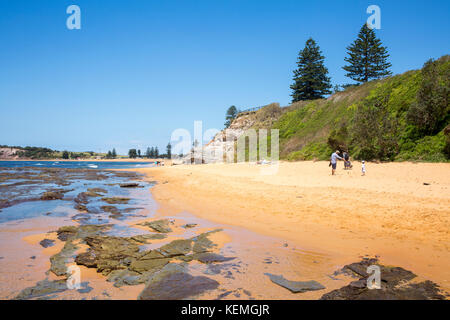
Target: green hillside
x=399, y=118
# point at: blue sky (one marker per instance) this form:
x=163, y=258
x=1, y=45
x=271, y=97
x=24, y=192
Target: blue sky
x=137, y=70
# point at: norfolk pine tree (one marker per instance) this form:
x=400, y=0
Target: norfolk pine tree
x=310, y=77
x=367, y=58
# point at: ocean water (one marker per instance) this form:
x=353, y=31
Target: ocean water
x=22, y=183
x=76, y=164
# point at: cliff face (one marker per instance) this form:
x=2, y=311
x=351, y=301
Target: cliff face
x=9, y=153
x=223, y=142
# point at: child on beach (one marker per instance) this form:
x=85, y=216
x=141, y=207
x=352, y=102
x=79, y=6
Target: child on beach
x=363, y=168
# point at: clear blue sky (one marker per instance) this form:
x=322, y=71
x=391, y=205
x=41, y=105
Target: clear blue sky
x=139, y=69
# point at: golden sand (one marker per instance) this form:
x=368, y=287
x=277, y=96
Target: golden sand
x=388, y=213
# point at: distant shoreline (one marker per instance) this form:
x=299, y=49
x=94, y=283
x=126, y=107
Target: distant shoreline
x=87, y=160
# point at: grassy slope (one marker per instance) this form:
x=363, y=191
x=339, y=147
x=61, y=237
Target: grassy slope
x=304, y=130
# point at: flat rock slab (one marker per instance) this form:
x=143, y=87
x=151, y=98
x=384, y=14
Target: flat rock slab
x=42, y=288
x=189, y=225
x=116, y=200
x=177, y=286
x=395, y=285
x=176, y=248
x=161, y=226
x=144, y=238
x=130, y=185
x=47, y=243
x=209, y=257
x=295, y=286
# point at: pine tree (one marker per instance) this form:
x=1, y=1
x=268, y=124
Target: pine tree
x=156, y=152
x=148, y=153
x=152, y=152
x=367, y=58
x=114, y=153
x=169, y=150
x=311, y=80
x=230, y=115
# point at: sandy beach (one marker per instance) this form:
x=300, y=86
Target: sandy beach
x=398, y=212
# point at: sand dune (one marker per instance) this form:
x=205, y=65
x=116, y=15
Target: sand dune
x=389, y=212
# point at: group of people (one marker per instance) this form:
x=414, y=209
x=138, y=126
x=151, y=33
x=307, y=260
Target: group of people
x=347, y=164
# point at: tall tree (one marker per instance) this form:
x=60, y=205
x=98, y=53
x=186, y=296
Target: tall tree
x=114, y=153
x=139, y=153
x=132, y=153
x=230, y=115
x=156, y=152
x=152, y=152
x=65, y=155
x=169, y=150
x=310, y=77
x=367, y=58
x=148, y=153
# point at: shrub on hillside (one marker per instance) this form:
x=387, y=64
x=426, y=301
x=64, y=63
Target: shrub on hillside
x=431, y=108
x=374, y=131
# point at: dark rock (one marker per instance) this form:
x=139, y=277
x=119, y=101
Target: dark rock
x=392, y=275
x=92, y=194
x=129, y=185
x=125, y=277
x=81, y=207
x=171, y=283
x=209, y=257
x=161, y=226
x=81, y=217
x=85, y=288
x=108, y=253
x=144, y=238
x=176, y=248
x=81, y=198
x=116, y=200
x=189, y=225
x=395, y=285
x=66, y=232
x=47, y=243
x=97, y=190
x=223, y=295
x=42, y=288
x=59, y=261
x=144, y=265
x=295, y=286
x=73, y=232
x=52, y=195
x=202, y=243
x=110, y=209
x=87, y=259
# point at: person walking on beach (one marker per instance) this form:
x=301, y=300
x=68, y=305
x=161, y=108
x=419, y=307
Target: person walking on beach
x=363, y=168
x=333, y=162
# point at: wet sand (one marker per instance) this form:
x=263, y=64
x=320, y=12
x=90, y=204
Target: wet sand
x=388, y=213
